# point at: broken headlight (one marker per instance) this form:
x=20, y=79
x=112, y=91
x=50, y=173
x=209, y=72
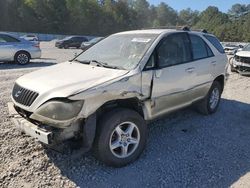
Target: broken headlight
x=60, y=110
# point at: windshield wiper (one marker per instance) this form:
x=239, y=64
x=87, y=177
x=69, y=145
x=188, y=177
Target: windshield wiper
x=79, y=61
x=106, y=65
x=99, y=63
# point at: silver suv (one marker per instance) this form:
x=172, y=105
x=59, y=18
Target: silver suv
x=106, y=95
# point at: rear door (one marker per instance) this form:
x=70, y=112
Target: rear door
x=204, y=62
x=175, y=75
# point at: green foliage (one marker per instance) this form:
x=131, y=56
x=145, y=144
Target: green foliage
x=103, y=17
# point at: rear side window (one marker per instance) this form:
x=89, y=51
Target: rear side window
x=6, y=38
x=215, y=42
x=80, y=39
x=200, y=48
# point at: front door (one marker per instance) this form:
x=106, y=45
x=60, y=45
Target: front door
x=175, y=75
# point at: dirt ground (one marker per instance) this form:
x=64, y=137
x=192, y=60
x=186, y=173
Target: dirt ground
x=184, y=149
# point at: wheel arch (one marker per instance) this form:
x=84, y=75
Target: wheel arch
x=22, y=51
x=130, y=103
x=221, y=80
x=91, y=122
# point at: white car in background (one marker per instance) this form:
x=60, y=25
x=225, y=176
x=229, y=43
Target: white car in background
x=17, y=49
x=30, y=37
x=231, y=49
x=241, y=61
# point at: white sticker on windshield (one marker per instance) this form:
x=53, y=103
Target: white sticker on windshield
x=144, y=40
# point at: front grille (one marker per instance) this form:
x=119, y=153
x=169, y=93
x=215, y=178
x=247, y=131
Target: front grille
x=23, y=96
x=242, y=59
x=244, y=69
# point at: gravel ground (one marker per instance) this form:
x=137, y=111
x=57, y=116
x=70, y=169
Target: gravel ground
x=185, y=149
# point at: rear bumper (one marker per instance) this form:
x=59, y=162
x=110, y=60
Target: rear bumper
x=36, y=53
x=29, y=128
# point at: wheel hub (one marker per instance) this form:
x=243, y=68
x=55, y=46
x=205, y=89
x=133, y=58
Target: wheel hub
x=124, y=139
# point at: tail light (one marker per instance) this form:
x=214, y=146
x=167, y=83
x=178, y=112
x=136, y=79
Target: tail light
x=37, y=45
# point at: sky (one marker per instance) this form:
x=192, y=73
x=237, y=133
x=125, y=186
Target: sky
x=200, y=5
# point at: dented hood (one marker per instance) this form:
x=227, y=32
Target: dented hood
x=64, y=79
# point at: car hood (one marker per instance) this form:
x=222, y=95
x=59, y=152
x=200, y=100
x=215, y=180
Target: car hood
x=67, y=78
x=243, y=53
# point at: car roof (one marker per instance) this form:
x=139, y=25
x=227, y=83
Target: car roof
x=162, y=31
x=4, y=33
x=9, y=34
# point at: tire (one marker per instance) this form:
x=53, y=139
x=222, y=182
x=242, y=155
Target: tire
x=206, y=106
x=22, y=58
x=108, y=134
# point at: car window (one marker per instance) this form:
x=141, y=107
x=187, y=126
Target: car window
x=175, y=49
x=215, y=42
x=78, y=39
x=82, y=39
x=209, y=51
x=6, y=38
x=151, y=63
x=200, y=48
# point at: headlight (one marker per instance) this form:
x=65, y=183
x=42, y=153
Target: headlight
x=60, y=110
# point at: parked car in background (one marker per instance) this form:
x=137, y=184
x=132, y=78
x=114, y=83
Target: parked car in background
x=71, y=41
x=86, y=45
x=105, y=96
x=17, y=49
x=231, y=49
x=241, y=61
x=30, y=37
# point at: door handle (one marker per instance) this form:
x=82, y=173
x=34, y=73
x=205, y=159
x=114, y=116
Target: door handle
x=213, y=63
x=190, y=70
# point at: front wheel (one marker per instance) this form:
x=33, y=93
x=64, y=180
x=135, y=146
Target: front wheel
x=210, y=103
x=121, y=137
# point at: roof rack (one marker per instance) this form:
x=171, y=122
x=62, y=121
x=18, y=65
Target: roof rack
x=184, y=28
x=200, y=30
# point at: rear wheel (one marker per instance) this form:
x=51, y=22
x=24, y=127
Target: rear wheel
x=121, y=137
x=22, y=58
x=211, y=102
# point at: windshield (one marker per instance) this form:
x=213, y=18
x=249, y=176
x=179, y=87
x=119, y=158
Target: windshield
x=120, y=50
x=246, y=48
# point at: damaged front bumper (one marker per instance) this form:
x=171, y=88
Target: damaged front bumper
x=241, y=68
x=29, y=128
x=45, y=135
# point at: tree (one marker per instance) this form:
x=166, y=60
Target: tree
x=104, y=17
x=141, y=7
x=212, y=20
x=166, y=16
x=238, y=10
x=188, y=17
